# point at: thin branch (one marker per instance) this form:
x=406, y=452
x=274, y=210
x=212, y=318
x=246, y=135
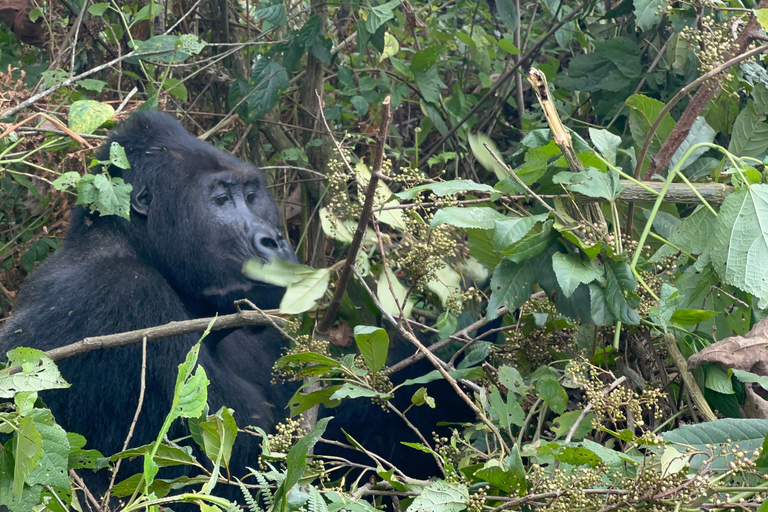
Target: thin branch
x=370, y=193
x=232, y=321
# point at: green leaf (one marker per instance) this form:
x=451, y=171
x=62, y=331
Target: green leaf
x=762, y=17
x=373, y=344
x=553, y=394
x=169, y=49
x=275, y=14
x=572, y=453
x=108, y=196
x=591, y=183
x=750, y=132
x=261, y=93
x=52, y=466
x=508, y=46
x=300, y=402
x=86, y=116
x=571, y=271
x=28, y=450
x=304, y=285
x=648, y=13
x=360, y=104
x=441, y=496
x=446, y=188
x=296, y=462
x=480, y=217
x=722, y=435
x=691, y=316
x=618, y=280
x=421, y=397
x=606, y=143
x=642, y=114
x=477, y=143
x=98, y=9
x=511, y=230
x=380, y=14
x=38, y=373
x=700, y=132
x=389, y=300
x=740, y=245
x=218, y=433
x=34, y=14
x=511, y=285
x=117, y=156
x=91, y=84
x=507, y=13
x=176, y=88
x=532, y=245
x=391, y=47
x=669, y=300
x=565, y=422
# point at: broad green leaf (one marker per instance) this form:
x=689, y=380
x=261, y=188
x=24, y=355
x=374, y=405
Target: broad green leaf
x=510, y=378
x=391, y=47
x=38, y=372
x=167, y=455
x=421, y=397
x=218, y=433
x=532, y=245
x=373, y=344
x=480, y=217
x=477, y=143
x=506, y=475
x=300, y=402
x=618, y=280
x=721, y=434
x=601, y=314
x=747, y=377
x=52, y=466
x=740, y=243
x=28, y=444
x=694, y=234
x=424, y=68
x=717, y=379
x=446, y=188
x=117, y=156
x=296, y=461
x=643, y=112
x=553, y=394
x=508, y=46
x=480, y=244
x=169, y=49
x=104, y=195
x=572, y=270
x=86, y=116
x=606, y=143
x=508, y=13
x=98, y=9
x=441, y=496
x=380, y=14
x=92, y=84
x=571, y=453
x=762, y=17
x=700, y=132
x=591, y=183
x=260, y=94
x=511, y=285
x=691, y=316
x=304, y=285
x=750, y=132
x=565, y=422
x=648, y=13
x=275, y=14
x=349, y=390
x=512, y=229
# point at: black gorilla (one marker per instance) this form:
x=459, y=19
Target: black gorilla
x=197, y=214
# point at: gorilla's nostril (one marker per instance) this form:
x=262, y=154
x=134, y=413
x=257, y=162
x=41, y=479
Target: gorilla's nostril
x=268, y=242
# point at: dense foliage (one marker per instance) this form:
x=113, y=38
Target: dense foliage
x=605, y=252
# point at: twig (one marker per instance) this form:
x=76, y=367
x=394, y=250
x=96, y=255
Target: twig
x=79, y=481
x=324, y=325
x=435, y=362
x=69, y=81
x=589, y=407
x=139, y=405
x=240, y=319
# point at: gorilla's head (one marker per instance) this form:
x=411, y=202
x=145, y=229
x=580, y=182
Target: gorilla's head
x=197, y=214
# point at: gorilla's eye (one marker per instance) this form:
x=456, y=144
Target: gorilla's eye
x=250, y=197
x=221, y=200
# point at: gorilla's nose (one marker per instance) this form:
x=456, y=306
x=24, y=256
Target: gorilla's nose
x=272, y=244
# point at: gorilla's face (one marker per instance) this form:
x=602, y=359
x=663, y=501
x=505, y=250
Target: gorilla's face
x=223, y=217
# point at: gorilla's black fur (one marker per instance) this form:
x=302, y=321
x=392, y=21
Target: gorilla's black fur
x=197, y=214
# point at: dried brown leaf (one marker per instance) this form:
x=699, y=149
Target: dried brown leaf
x=748, y=352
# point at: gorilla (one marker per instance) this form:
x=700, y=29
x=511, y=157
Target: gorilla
x=196, y=215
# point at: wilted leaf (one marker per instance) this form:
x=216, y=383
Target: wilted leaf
x=748, y=352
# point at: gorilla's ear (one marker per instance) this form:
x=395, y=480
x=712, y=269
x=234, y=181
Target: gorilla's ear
x=141, y=200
